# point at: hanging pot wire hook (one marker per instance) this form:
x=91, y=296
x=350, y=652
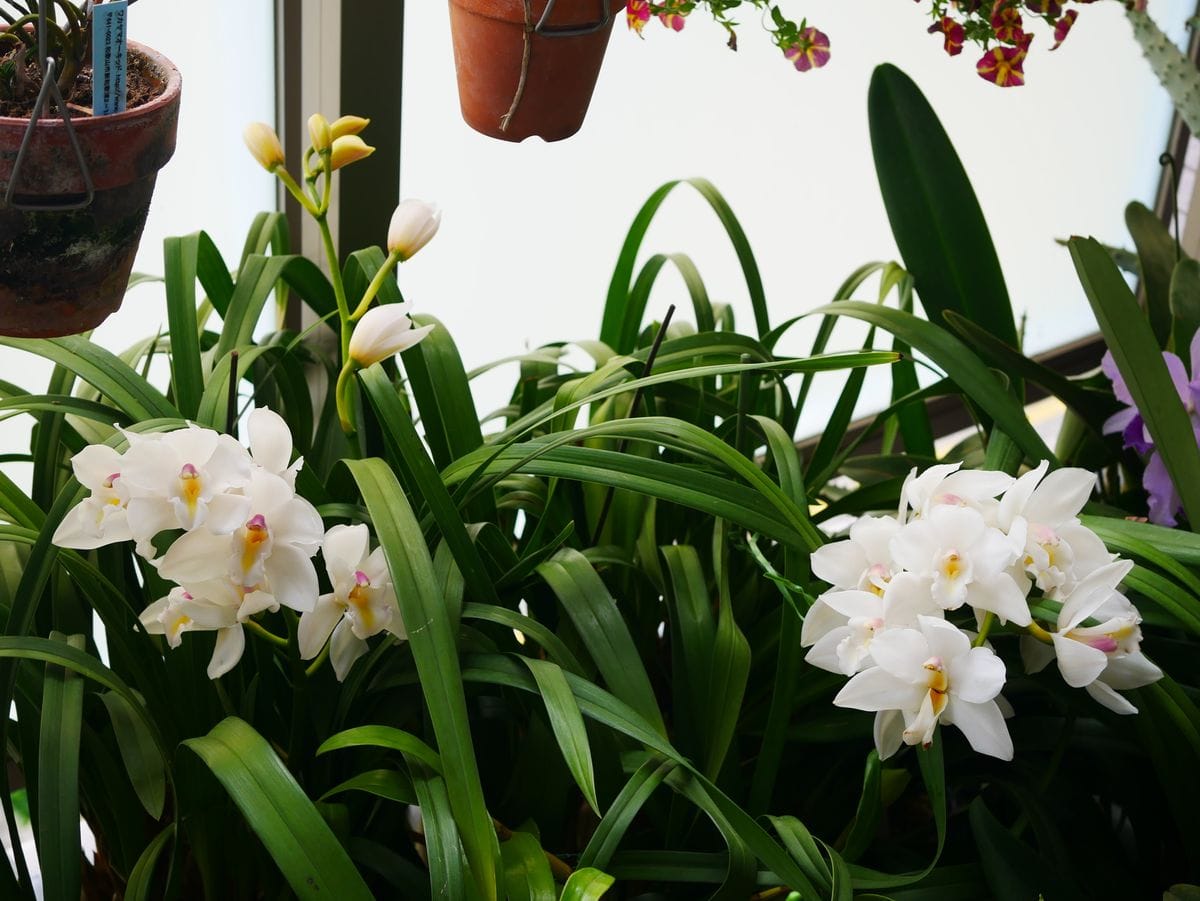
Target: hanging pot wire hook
x=49, y=89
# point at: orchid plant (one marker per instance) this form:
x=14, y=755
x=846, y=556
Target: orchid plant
x=287, y=617
x=69, y=42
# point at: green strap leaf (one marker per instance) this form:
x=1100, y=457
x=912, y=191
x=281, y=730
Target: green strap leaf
x=141, y=883
x=620, y=815
x=958, y=362
x=586, y=884
x=59, y=849
x=383, y=737
x=298, y=839
x=391, y=785
x=435, y=652
x=142, y=761
x=1156, y=262
x=598, y=621
x=567, y=723
x=1139, y=359
x=179, y=265
x=527, y=875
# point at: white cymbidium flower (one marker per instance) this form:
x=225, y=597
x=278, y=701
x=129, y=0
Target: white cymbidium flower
x=947, y=484
x=270, y=551
x=362, y=603
x=1040, y=513
x=863, y=561
x=928, y=674
x=845, y=647
x=383, y=332
x=184, y=479
x=217, y=605
x=1105, y=655
x=100, y=518
x=413, y=225
x=964, y=560
x=271, y=444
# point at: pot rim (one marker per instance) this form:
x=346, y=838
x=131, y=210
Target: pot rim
x=567, y=12
x=84, y=124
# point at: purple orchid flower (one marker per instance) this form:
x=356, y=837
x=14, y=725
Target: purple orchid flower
x=1164, y=500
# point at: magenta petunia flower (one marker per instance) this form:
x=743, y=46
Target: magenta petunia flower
x=1003, y=66
x=1063, y=26
x=811, y=50
x=673, y=16
x=1007, y=24
x=637, y=14
x=952, y=34
x=1050, y=8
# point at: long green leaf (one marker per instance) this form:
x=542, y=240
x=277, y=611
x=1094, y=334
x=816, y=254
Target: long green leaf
x=105, y=372
x=958, y=362
x=527, y=875
x=935, y=216
x=586, y=884
x=383, y=737
x=142, y=761
x=567, y=723
x=619, y=817
x=307, y=853
x=436, y=655
x=598, y=621
x=59, y=849
x=619, y=312
x=1140, y=361
x=179, y=263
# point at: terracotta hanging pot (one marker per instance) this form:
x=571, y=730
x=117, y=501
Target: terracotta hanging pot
x=64, y=271
x=520, y=76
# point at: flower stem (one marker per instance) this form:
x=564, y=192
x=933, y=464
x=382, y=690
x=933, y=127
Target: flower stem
x=376, y=283
x=342, y=397
x=316, y=665
x=988, y=619
x=265, y=634
x=1039, y=633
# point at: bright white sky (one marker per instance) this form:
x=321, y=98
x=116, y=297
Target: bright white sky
x=531, y=231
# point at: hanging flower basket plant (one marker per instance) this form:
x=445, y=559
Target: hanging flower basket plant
x=75, y=186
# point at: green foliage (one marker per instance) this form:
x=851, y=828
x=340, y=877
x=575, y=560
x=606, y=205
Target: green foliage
x=602, y=689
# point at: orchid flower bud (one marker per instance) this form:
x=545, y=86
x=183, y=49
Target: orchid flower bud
x=264, y=145
x=413, y=224
x=319, y=132
x=349, y=149
x=348, y=125
x=382, y=332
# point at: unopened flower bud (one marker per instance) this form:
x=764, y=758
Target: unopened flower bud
x=348, y=125
x=413, y=224
x=319, y=132
x=264, y=145
x=349, y=149
x=382, y=332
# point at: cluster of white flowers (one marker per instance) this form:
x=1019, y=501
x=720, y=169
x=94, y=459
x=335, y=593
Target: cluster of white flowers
x=991, y=543
x=248, y=539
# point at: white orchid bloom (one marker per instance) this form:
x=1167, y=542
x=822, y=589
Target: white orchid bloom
x=383, y=332
x=1041, y=514
x=413, y=225
x=863, y=560
x=271, y=444
x=362, y=603
x=846, y=647
x=218, y=605
x=964, y=560
x=271, y=551
x=185, y=479
x=1105, y=655
x=926, y=675
x=100, y=518
x=948, y=484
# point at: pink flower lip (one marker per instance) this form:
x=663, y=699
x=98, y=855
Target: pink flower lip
x=257, y=522
x=108, y=483
x=188, y=471
x=361, y=579
x=1104, y=643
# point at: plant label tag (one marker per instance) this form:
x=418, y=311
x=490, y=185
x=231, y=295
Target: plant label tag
x=110, y=57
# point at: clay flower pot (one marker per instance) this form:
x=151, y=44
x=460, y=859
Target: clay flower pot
x=65, y=271
x=560, y=71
